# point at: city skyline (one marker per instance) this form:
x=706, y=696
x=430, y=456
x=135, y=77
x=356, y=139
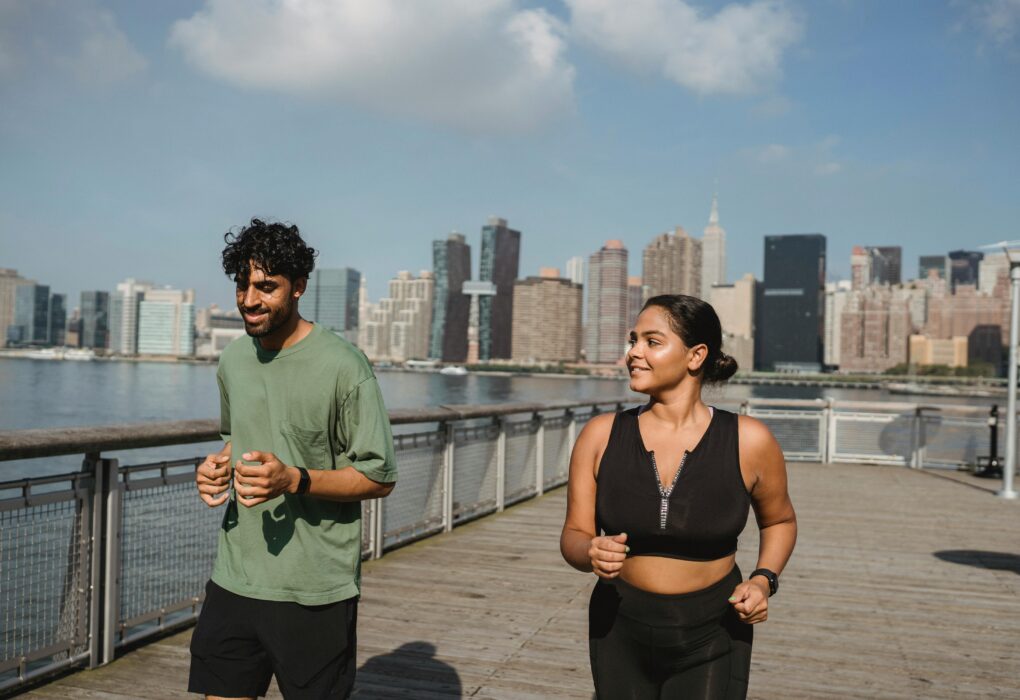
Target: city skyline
x=140, y=133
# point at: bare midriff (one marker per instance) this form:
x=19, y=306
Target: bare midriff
x=671, y=576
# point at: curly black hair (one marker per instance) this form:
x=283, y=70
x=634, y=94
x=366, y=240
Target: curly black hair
x=274, y=248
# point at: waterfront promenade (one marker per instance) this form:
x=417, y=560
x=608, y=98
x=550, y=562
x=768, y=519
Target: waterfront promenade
x=905, y=584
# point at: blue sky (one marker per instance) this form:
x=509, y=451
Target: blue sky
x=133, y=135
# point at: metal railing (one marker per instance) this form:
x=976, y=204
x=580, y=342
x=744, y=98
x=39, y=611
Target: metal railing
x=93, y=560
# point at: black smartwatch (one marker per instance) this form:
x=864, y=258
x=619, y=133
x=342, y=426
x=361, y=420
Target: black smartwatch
x=770, y=576
x=304, y=481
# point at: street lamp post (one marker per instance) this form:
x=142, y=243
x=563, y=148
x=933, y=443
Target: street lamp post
x=1014, y=335
x=1009, y=468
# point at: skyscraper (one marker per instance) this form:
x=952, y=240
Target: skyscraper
x=58, y=319
x=791, y=306
x=835, y=300
x=547, y=319
x=31, y=316
x=963, y=268
x=95, y=313
x=875, y=329
x=576, y=274
x=886, y=263
x=606, y=330
x=501, y=248
x=166, y=322
x=635, y=299
x=397, y=327
x=713, y=253
x=575, y=270
x=860, y=267
x=124, y=316
x=10, y=280
x=671, y=264
x=451, y=267
x=331, y=299
x=734, y=304
x=993, y=271
x=927, y=263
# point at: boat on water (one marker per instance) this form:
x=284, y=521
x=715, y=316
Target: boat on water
x=45, y=354
x=75, y=354
x=453, y=371
x=80, y=354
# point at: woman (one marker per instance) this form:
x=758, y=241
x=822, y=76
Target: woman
x=668, y=486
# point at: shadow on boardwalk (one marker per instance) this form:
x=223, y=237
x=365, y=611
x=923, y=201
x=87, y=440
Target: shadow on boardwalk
x=417, y=664
x=903, y=585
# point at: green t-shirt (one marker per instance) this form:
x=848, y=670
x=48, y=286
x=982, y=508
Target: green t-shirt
x=316, y=405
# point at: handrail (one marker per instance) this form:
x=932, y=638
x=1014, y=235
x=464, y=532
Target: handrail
x=52, y=442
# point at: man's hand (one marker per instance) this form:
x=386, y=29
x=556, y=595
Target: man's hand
x=213, y=478
x=259, y=483
x=750, y=600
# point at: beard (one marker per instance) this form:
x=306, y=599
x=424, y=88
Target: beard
x=275, y=319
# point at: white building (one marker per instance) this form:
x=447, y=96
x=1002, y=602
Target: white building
x=713, y=253
x=166, y=322
x=124, y=306
x=835, y=300
x=990, y=269
x=397, y=328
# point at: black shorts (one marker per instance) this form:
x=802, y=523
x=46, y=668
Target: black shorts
x=240, y=643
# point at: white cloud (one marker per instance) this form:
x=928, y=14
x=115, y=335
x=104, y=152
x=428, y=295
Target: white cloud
x=738, y=50
x=78, y=38
x=830, y=168
x=773, y=153
x=998, y=19
x=774, y=106
x=104, y=55
x=480, y=65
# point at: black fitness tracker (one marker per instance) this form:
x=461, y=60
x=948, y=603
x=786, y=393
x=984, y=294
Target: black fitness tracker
x=304, y=481
x=770, y=576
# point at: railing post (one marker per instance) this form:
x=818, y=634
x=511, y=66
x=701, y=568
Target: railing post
x=501, y=465
x=917, y=439
x=377, y=527
x=111, y=555
x=830, y=433
x=823, y=430
x=451, y=435
x=539, y=455
x=91, y=464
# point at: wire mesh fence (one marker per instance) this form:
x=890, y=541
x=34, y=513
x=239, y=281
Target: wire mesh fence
x=475, y=471
x=45, y=574
x=168, y=542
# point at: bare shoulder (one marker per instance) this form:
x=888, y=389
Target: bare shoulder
x=761, y=457
x=596, y=431
x=756, y=440
x=755, y=437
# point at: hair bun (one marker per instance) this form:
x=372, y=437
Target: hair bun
x=721, y=369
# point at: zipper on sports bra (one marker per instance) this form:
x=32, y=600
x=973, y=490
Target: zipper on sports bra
x=665, y=493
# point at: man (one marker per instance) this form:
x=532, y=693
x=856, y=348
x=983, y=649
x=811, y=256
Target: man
x=307, y=439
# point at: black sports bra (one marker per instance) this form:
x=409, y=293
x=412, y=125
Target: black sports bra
x=698, y=518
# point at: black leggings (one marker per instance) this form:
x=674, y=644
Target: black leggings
x=654, y=646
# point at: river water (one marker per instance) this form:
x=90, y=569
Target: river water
x=51, y=394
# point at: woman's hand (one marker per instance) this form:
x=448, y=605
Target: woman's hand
x=750, y=600
x=607, y=555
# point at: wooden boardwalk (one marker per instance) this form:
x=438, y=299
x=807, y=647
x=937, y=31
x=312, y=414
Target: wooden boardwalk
x=905, y=584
